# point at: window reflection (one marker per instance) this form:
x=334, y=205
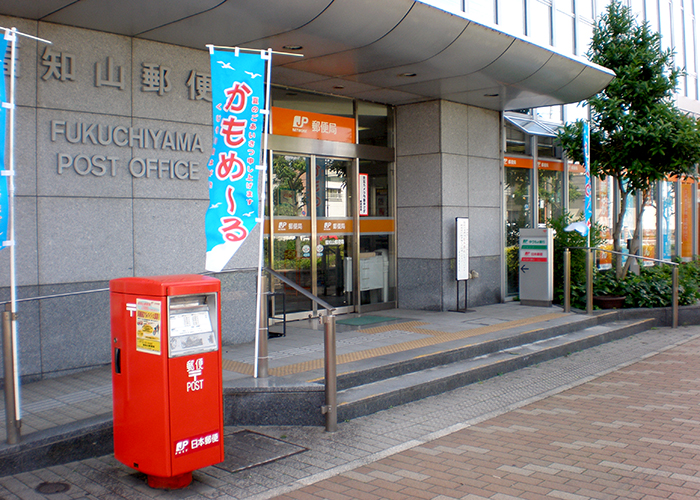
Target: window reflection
x=289, y=181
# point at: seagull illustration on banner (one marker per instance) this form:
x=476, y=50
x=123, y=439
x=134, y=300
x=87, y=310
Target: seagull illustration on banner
x=253, y=76
x=225, y=65
x=581, y=227
x=216, y=205
x=249, y=214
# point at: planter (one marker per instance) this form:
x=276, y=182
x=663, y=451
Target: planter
x=609, y=301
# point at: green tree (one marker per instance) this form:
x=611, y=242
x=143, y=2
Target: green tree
x=638, y=136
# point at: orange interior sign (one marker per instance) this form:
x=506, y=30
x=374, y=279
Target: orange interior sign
x=556, y=166
x=294, y=123
x=510, y=161
x=302, y=226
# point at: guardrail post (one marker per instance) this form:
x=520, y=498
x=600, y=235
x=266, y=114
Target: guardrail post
x=331, y=406
x=567, y=280
x=675, y=296
x=589, y=280
x=13, y=433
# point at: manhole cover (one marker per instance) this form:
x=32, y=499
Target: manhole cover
x=52, y=488
x=246, y=449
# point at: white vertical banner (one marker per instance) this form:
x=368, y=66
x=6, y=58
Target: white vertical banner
x=363, y=190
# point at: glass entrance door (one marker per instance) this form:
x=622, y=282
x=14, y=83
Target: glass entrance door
x=290, y=229
x=333, y=230
x=311, y=229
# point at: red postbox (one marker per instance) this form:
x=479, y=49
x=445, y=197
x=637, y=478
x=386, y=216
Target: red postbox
x=166, y=376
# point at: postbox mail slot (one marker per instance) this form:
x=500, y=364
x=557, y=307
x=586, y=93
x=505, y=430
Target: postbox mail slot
x=192, y=325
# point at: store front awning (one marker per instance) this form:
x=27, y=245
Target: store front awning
x=389, y=51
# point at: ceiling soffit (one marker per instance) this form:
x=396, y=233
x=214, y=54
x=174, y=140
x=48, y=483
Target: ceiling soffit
x=389, y=51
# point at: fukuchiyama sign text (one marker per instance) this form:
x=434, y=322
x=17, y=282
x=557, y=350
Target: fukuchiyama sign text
x=146, y=166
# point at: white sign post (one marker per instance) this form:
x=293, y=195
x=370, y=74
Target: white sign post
x=462, y=258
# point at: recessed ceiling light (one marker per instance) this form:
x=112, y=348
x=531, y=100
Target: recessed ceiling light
x=408, y=75
x=292, y=47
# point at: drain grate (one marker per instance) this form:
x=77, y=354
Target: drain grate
x=52, y=488
x=247, y=449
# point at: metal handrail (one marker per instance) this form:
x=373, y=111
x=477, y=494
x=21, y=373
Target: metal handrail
x=12, y=395
x=589, y=278
x=330, y=366
x=329, y=359
x=597, y=249
x=57, y=295
x=303, y=291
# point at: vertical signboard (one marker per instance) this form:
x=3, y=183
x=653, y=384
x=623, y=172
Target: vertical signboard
x=462, y=240
x=363, y=190
x=536, y=267
x=238, y=104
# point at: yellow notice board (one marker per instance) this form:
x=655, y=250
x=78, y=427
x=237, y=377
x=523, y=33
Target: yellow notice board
x=148, y=326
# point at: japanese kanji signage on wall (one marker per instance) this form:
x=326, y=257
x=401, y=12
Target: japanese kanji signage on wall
x=4, y=201
x=238, y=104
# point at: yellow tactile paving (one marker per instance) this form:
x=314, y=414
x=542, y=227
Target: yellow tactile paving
x=434, y=337
x=395, y=326
x=238, y=367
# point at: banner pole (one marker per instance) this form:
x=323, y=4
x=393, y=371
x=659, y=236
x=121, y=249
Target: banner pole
x=261, y=332
x=11, y=235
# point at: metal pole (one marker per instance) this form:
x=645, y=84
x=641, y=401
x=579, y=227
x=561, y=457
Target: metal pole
x=262, y=357
x=589, y=281
x=261, y=337
x=13, y=409
x=567, y=280
x=330, y=408
x=12, y=425
x=675, y=296
x=16, y=408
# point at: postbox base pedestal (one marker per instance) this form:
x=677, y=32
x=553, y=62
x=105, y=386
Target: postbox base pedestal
x=170, y=483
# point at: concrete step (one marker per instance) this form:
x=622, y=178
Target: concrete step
x=368, y=371
x=380, y=394
x=374, y=384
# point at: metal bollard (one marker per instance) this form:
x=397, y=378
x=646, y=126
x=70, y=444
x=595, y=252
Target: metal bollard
x=331, y=406
x=567, y=280
x=675, y=296
x=589, y=281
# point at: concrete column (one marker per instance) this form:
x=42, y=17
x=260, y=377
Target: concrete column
x=447, y=166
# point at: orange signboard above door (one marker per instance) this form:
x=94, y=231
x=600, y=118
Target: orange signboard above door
x=294, y=123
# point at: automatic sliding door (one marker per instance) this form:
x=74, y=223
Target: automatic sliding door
x=334, y=230
x=291, y=251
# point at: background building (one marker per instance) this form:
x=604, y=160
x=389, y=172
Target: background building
x=114, y=134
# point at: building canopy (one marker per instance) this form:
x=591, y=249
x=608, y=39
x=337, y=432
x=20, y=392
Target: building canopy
x=389, y=51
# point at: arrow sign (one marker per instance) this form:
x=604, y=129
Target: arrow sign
x=524, y=269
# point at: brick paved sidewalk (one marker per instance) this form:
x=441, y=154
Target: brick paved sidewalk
x=620, y=420
x=634, y=433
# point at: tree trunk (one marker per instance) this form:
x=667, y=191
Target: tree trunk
x=634, y=246
x=617, y=230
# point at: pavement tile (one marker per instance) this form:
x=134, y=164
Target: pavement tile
x=628, y=433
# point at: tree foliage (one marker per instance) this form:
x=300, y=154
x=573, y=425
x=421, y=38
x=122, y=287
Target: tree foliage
x=638, y=136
